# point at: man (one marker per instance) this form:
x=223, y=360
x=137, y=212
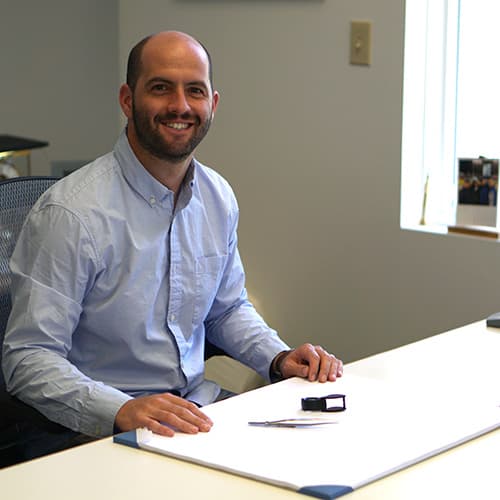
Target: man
x=127, y=265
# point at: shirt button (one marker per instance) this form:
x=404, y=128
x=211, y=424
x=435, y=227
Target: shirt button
x=152, y=200
x=172, y=317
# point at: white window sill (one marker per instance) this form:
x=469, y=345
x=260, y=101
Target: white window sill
x=483, y=232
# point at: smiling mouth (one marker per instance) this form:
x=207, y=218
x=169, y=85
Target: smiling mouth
x=178, y=126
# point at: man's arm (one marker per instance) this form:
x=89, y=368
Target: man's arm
x=235, y=326
x=53, y=266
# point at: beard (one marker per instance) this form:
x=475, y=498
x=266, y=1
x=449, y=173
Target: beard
x=152, y=141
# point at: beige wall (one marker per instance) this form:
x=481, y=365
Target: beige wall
x=58, y=78
x=311, y=146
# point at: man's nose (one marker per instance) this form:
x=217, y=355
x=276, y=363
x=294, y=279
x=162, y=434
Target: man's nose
x=178, y=102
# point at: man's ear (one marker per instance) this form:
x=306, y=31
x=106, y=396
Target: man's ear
x=126, y=98
x=215, y=101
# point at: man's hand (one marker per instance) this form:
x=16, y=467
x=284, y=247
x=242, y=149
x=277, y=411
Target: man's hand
x=159, y=409
x=311, y=362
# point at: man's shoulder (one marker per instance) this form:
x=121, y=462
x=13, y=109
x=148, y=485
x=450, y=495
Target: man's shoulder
x=207, y=177
x=85, y=185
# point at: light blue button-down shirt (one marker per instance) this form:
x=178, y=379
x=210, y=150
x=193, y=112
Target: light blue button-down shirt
x=115, y=289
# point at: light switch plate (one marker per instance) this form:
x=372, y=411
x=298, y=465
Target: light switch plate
x=361, y=42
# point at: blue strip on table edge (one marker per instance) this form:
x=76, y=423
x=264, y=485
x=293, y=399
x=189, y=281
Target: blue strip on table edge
x=128, y=438
x=326, y=491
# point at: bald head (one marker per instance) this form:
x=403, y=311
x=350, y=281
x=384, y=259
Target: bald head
x=165, y=39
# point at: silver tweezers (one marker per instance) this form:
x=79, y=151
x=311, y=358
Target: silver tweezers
x=293, y=422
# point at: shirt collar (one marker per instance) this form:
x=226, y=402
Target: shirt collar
x=186, y=192
x=143, y=182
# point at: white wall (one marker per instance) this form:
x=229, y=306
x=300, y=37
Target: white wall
x=59, y=73
x=312, y=147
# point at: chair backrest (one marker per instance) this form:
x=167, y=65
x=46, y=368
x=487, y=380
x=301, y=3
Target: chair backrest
x=17, y=196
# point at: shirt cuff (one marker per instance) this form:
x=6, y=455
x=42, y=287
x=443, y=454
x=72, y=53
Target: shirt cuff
x=98, y=418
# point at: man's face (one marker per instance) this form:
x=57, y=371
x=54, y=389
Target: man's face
x=172, y=105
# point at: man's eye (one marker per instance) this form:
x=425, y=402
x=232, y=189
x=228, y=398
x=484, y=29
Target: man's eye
x=159, y=87
x=197, y=91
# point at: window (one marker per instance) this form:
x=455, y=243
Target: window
x=450, y=102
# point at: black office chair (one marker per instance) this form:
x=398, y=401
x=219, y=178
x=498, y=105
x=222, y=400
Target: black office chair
x=17, y=196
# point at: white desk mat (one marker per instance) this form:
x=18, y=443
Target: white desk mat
x=385, y=428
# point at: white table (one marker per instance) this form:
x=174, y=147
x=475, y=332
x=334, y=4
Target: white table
x=108, y=471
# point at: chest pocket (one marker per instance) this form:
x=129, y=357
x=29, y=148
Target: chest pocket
x=208, y=274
